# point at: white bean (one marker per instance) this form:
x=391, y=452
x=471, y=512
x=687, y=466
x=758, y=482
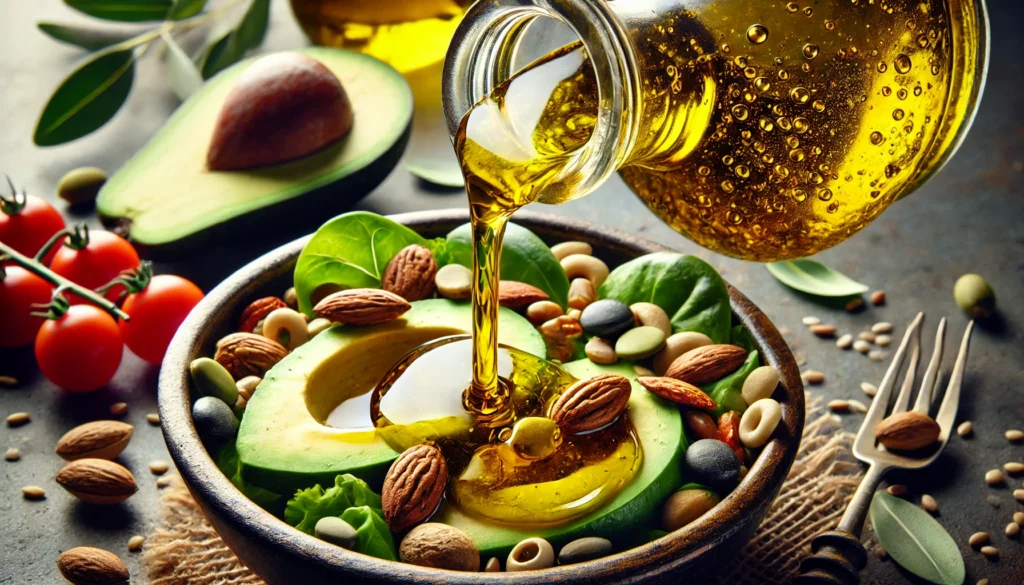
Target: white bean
x=759, y=422
x=569, y=248
x=676, y=345
x=589, y=267
x=653, y=315
x=530, y=555
x=760, y=384
x=285, y=319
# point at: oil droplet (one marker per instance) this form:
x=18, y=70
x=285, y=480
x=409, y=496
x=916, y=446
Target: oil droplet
x=882, y=67
x=922, y=41
x=808, y=11
x=800, y=95
x=824, y=194
x=734, y=217
x=749, y=72
x=747, y=135
x=767, y=159
x=797, y=155
x=725, y=47
x=799, y=195
x=829, y=25
x=875, y=194
x=793, y=141
x=727, y=160
x=891, y=171
x=778, y=109
x=886, y=91
x=783, y=74
x=740, y=111
x=749, y=96
x=703, y=170
x=759, y=146
x=766, y=124
x=876, y=138
x=816, y=177
x=902, y=93
x=740, y=61
x=902, y=64
x=935, y=69
x=757, y=34
x=781, y=170
x=817, y=151
x=805, y=67
x=833, y=207
x=810, y=51
x=801, y=125
x=727, y=186
x=818, y=105
x=742, y=171
x=897, y=114
x=792, y=7
x=918, y=91
x=762, y=84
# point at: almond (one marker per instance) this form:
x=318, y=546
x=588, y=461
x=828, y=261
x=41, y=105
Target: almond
x=591, y=404
x=519, y=295
x=248, y=354
x=257, y=311
x=86, y=565
x=907, y=431
x=410, y=274
x=413, y=487
x=102, y=439
x=361, y=306
x=706, y=364
x=97, y=481
x=677, y=391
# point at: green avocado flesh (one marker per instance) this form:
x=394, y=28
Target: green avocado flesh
x=659, y=426
x=283, y=444
x=169, y=202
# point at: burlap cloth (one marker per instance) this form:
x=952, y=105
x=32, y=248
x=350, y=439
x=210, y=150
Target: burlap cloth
x=185, y=550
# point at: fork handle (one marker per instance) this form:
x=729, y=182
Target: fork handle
x=838, y=559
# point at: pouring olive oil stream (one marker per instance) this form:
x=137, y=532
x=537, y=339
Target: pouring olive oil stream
x=762, y=132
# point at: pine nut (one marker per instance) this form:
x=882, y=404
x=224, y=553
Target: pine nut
x=9, y=381
x=1013, y=467
x=810, y=320
x=977, y=539
x=1012, y=530
x=153, y=418
x=965, y=429
x=1019, y=495
x=857, y=406
x=135, y=543
x=994, y=477
x=861, y=346
x=855, y=305
x=884, y=340
x=866, y=336
x=163, y=482
x=1018, y=517
x=990, y=551
x=983, y=582
x=844, y=341
x=813, y=376
x=33, y=493
x=877, y=355
x=929, y=504
x=12, y=454
x=869, y=389
x=882, y=554
x=897, y=489
x=158, y=467
x=1012, y=435
x=881, y=327
x=823, y=330
x=878, y=298
x=839, y=406
x=118, y=408
x=18, y=418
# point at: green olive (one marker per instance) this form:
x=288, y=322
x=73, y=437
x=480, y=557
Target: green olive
x=81, y=186
x=974, y=295
x=535, y=437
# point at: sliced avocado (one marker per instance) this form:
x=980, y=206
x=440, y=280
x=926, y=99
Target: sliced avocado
x=283, y=444
x=660, y=428
x=169, y=203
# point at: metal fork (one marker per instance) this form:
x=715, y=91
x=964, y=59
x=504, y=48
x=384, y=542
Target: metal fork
x=838, y=554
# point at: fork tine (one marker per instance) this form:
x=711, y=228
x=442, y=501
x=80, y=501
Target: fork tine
x=866, y=436
x=931, y=375
x=947, y=412
x=903, y=400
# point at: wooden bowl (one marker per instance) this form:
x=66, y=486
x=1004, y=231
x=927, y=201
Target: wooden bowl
x=282, y=555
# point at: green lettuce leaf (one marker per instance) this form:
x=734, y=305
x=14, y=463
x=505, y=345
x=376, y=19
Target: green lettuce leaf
x=374, y=535
x=308, y=506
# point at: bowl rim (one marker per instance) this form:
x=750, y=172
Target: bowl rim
x=659, y=557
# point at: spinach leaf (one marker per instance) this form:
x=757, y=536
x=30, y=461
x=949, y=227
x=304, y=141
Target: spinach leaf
x=728, y=392
x=686, y=287
x=524, y=258
x=350, y=251
x=815, y=278
x=308, y=506
x=375, y=537
x=227, y=462
x=741, y=337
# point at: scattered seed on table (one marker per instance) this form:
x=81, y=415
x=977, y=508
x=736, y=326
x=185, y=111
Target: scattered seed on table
x=857, y=406
x=866, y=336
x=844, y=341
x=1012, y=435
x=877, y=297
x=823, y=330
x=994, y=477
x=785, y=331
x=881, y=327
x=153, y=418
x=1019, y=495
x=839, y=405
x=854, y=305
x=118, y=408
x=135, y=543
x=1012, y=530
x=977, y=539
x=862, y=346
x=965, y=429
x=12, y=454
x=883, y=340
x=18, y=418
x=869, y=389
x=993, y=501
x=1018, y=517
x=877, y=355
x=929, y=504
x=9, y=381
x=882, y=554
x=990, y=551
x=163, y=482
x=1013, y=467
x=800, y=358
x=813, y=376
x=158, y=467
x=811, y=320
x=983, y=582
x=33, y=493
x=897, y=489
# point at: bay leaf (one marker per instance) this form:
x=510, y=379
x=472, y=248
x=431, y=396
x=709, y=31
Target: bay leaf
x=915, y=540
x=87, y=98
x=230, y=46
x=815, y=278
x=184, y=76
x=85, y=37
x=182, y=9
x=123, y=10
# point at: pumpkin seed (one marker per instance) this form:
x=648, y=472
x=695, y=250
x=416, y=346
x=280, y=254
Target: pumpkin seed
x=640, y=342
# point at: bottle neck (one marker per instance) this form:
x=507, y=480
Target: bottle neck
x=483, y=54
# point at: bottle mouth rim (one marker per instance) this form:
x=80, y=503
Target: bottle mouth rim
x=482, y=55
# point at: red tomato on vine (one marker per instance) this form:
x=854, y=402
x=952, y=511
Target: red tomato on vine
x=81, y=350
x=27, y=222
x=155, y=314
x=94, y=259
x=19, y=290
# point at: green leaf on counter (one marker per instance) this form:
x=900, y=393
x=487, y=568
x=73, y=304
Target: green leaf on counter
x=915, y=540
x=182, y=9
x=123, y=10
x=375, y=537
x=308, y=506
x=728, y=392
x=814, y=278
x=88, y=98
x=85, y=37
x=185, y=78
x=350, y=251
x=232, y=45
x=524, y=258
x=687, y=288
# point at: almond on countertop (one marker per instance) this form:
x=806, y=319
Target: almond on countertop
x=102, y=439
x=86, y=565
x=97, y=481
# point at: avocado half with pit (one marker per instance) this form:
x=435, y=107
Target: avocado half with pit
x=283, y=444
x=659, y=427
x=168, y=202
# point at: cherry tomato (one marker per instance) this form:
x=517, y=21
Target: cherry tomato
x=156, y=313
x=27, y=230
x=18, y=291
x=81, y=351
x=106, y=256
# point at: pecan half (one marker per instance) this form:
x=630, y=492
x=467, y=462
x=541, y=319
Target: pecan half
x=410, y=274
x=413, y=487
x=706, y=364
x=677, y=391
x=361, y=306
x=257, y=311
x=248, y=354
x=729, y=433
x=591, y=404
